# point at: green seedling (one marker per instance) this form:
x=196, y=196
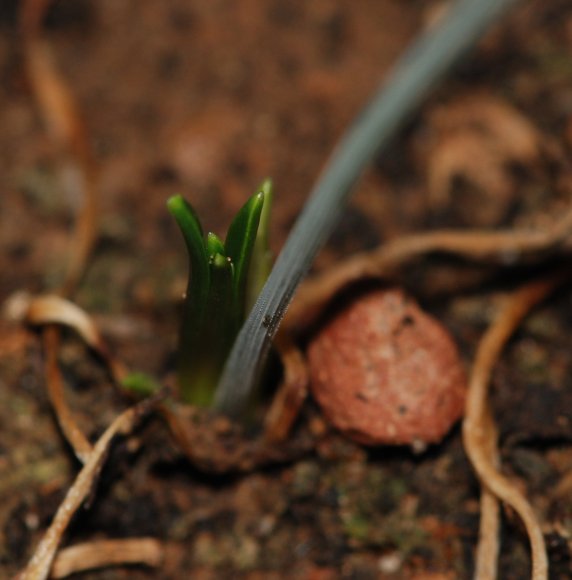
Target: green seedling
x=418, y=71
x=224, y=281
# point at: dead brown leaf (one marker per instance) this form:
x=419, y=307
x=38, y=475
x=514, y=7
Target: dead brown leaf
x=476, y=140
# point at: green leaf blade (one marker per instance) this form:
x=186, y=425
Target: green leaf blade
x=198, y=289
x=217, y=333
x=199, y=279
x=239, y=244
x=262, y=259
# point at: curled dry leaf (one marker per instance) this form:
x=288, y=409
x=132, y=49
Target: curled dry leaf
x=477, y=139
x=512, y=134
x=50, y=309
x=385, y=372
x=463, y=155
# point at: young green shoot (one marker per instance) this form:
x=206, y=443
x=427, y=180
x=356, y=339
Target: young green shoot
x=426, y=62
x=224, y=281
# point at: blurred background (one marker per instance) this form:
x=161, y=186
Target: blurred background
x=207, y=98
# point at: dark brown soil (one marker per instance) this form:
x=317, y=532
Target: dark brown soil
x=207, y=99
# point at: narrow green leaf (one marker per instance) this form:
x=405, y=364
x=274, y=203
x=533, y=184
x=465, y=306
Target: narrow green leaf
x=239, y=243
x=217, y=333
x=141, y=384
x=199, y=277
x=198, y=288
x=262, y=258
x=221, y=327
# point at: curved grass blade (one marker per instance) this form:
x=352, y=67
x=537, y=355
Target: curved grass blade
x=192, y=231
x=215, y=335
x=198, y=289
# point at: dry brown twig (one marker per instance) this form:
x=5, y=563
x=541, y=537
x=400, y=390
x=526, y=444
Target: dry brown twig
x=503, y=247
x=480, y=436
x=104, y=553
x=486, y=559
x=292, y=392
x=70, y=429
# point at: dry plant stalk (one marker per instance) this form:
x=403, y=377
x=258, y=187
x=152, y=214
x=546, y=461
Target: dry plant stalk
x=104, y=553
x=291, y=393
x=40, y=565
x=67, y=130
x=504, y=247
x=480, y=436
x=70, y=429
x=486, y=557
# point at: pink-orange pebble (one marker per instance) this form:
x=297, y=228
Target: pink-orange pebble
x=385, y=372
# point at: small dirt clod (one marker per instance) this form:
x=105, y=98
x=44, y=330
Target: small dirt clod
x=386, y=373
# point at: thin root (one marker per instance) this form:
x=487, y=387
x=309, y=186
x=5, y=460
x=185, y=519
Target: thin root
x=66, y=128
x=47, y=311
x=55, y=385
x=291, y=393
x=504, y=247
x=41, y=563
x=480, y=435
